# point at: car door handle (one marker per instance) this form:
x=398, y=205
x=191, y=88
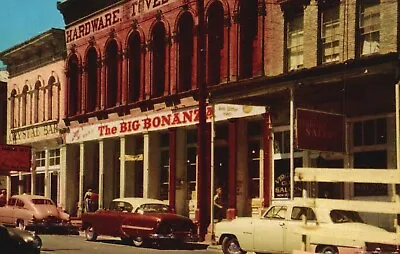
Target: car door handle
x=281, y=223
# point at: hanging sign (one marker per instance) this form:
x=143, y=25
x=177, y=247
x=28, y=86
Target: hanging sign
x=319, y=131
x=15, y=158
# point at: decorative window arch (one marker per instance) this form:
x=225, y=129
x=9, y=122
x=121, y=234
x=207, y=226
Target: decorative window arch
x=134, y=67
x=24, y=105
x=215, y=42
x=112, y=74
x=50, y=97
x=92, y=80
x=36, y=102
x=158, y=60
x=185, y=36
x=13, y=110
x=73, y=93
x=248, y=27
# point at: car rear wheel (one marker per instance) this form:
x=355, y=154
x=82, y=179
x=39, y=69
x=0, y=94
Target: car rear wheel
x=230, y=245
x=21, y=224
x=138, y=241
x=328, y=250
x=90, y=233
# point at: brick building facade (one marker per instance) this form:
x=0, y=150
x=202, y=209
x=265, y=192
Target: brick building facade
x=34, y=106
x=134, y=70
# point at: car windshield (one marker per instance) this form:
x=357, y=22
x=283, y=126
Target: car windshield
x=41, y=201
x=153, y=208
x=341, y=216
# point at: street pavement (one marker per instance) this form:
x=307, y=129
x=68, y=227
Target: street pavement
x=77, y=244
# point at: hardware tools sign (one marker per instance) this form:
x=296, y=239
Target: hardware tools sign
x=15, y=158
x=320, y=131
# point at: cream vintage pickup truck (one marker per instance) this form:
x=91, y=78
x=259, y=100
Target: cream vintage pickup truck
x=287, y=226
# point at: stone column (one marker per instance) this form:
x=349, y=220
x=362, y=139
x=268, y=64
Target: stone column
x=182, y=206
x=146, y=162
x=63, y=176
x=122, y=176
x=172, y=169
x=232, y=142
x=101, y=174
x=46, y=174
x=267, y=159
x=81, y=176
x=243, y=205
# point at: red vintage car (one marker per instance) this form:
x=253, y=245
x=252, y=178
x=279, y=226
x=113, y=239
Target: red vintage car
x=139, y=221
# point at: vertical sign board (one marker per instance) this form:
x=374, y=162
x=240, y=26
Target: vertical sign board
x=319, y=131
x=15, y=158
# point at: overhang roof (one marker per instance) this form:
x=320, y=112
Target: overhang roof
x=48, y=40
x=74, y=10
x=254, y=91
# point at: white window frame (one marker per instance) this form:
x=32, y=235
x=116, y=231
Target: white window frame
x=369, y=28
x=295, y=42
x=330, y=34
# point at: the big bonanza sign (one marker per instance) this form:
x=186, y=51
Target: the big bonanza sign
x=112, y=17
x=158, y=121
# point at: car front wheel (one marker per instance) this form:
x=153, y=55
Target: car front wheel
x=230, y=245
x=90, y=233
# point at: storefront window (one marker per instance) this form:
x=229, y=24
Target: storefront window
x=54, y=157
x=164, y=176
x=254, y=169
x=282, y=181
x=191, y=171
x=39, y=184
x=370, y=132
x=40, y=159
x=369, y=140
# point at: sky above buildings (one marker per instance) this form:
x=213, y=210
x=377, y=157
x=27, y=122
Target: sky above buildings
x=21, y=20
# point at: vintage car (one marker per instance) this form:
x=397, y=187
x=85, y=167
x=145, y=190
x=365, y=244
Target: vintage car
x=139, y=221
x=291, y=225
x=16, y=241
x=35, y=212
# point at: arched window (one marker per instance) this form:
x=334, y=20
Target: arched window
x=73, y=86
x=112, y=74
x=134, y=63
x=24, y=105
x=248, y=23
x=215, y=42
x=13, y=110
x=36, y=99
x=91, y=89
x=185, y=52
x=50, y=97
x=159, y=60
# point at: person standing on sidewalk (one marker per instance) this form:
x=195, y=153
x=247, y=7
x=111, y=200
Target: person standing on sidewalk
x=218, y=205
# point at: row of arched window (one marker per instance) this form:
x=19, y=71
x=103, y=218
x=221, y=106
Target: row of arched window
x=165, y=63
x=35, y=104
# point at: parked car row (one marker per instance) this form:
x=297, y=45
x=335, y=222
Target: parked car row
x=139, y=221
x=33, y=212
x=284, y=227
x=289, y=225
